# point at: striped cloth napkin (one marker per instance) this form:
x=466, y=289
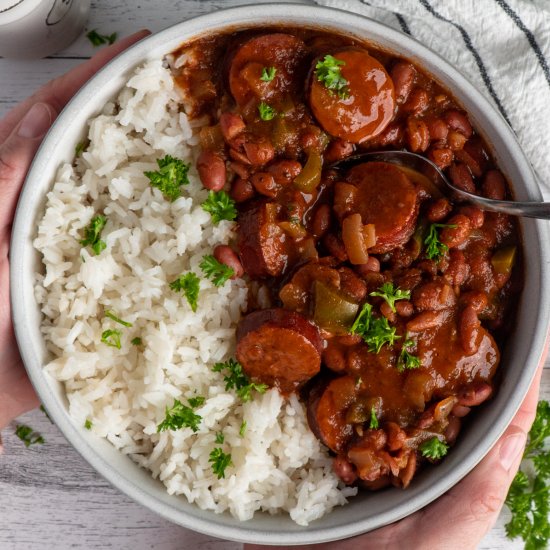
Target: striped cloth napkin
x=500, y=46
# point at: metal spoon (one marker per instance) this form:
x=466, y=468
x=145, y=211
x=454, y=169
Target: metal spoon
x=529, y=209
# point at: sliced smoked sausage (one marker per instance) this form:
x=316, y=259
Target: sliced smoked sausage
x=367, y=107
x=279, y=348
x=283, y=52
x=386, y=198
x=262, y=244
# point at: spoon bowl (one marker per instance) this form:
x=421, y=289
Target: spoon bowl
x=425, y=167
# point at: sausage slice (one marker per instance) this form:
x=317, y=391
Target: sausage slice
x=279, y=348
x=386, y=198
x=369, y=107
x=326, y=412
x=262, y=244
x=284, y=52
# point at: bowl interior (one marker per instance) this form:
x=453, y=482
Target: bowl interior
x=367, y=510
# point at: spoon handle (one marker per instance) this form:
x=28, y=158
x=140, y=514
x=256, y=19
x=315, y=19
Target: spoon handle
x=527, y=209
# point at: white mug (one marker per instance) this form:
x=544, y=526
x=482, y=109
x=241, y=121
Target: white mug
x=37, y=28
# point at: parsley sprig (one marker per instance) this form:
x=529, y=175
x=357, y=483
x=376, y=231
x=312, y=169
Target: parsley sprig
x=406, y=360
x=268, y=74
x=99, y=39
x=217, y=272
x=375, y=331
x=182, y=416
x=266, y=111
x=329, y=72
x=434, y=448
x=434, y=248
x=92, y=234
x=529, y=501
x=220, y=206
x=111, y=337
x=220, y=461
x=391, y=294
x=237, y=379
x=111, y=315
x=188, y=284
x=28, y=436
x=170, y=176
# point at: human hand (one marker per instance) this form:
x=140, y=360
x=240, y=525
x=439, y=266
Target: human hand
x=21, y=132
x=463, y=515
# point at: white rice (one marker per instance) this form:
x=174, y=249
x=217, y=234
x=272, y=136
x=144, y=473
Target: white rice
x=278, y=464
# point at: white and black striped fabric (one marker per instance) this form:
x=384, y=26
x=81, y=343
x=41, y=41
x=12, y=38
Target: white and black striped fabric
x=501, y=46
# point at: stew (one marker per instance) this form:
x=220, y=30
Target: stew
x=380, y=301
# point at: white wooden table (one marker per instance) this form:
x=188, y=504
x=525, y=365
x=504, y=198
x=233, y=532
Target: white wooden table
x=49, y=496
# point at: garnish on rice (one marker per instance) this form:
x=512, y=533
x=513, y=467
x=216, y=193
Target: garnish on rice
x=189, y=285
x=214, y=270
x=236, y=379
x=181, y=416
x=170, y=176
x=92, y=234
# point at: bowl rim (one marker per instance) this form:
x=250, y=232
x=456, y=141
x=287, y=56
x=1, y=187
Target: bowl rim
x=325, y=17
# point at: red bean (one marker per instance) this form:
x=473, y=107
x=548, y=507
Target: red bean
x=457, y=270
x=438, y=210
x=494, y=186
x=473, y=164
x=396, y=436
x=393, y=134
x=372, y=265
x=460, y=411
x=321, y=220
x=265, y=184
x=476, y=299
x=352, y=285
x=476, y=215
x=438, y=128
x=468, y=328
x=259, y=152
x=344, y=470
x=404, y=308
x=338, y=149
x=453, y=427
x=241, y=190
x=349, y=339
x=434, y=296
x=334, y=358
x=226, y=255
x=231, y=125
x=442, y=157
x=458, y=121
x=425, y=320
x=402, y=74
x=387, y=312
x=211, y=168
x=461, y=177
x=476, y=395
x=456, y=140
x=417, y=101
x=335, y=247
x=235, y=154
x=284, y=171
x=240, y=169
x=418, y=135
x=455, y=236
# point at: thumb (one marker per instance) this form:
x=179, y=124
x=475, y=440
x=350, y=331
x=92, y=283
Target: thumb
x=16, y=154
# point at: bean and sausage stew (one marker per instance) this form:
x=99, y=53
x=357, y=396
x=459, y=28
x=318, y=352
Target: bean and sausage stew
x=375, y=297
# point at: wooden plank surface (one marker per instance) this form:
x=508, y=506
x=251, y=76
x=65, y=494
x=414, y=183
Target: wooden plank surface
x=49, y=496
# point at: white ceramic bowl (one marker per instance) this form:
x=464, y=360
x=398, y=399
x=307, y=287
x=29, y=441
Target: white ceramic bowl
x=367, y=511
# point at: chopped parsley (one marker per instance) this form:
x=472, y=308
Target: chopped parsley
x=328, y=71
x=220, y=438
x=28, y=436
x=529, y=500
x=136, y=341
x=195, y=402
x=111, y=315
x=100, y=39
x=266, y=112
x=406, y=360
x=434, y=448
x=92, y=234
x=373, y=420
x=88, y=424
x=180, y=416
x=242, y=429
x=79, y=147
x=375, y=331
x=391, y=294
x=189, y=285
x=268, y=74
x=220, y=206
x=434, y=248
x=217, y=272
x=220, y=461
x=170, y=176
x=111, y=337
x=237, y=379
